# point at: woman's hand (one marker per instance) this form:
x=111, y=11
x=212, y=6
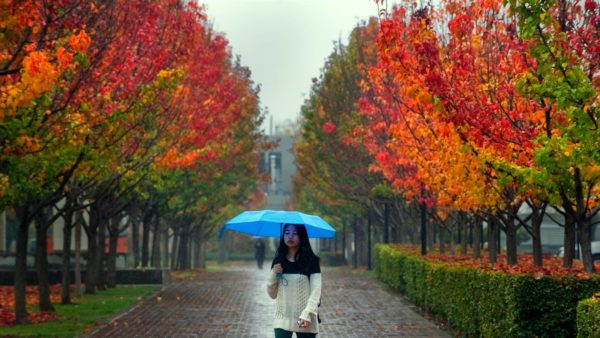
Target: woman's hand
x=303, y=323
x=277, y=269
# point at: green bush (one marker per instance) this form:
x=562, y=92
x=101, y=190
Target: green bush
x=488, y=304
x=588, y=318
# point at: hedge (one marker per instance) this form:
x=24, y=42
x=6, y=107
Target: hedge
x=588, y=318
x=488, y=304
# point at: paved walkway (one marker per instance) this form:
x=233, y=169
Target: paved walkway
x=234, y=303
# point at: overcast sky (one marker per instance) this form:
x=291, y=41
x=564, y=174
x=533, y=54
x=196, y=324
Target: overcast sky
x=285, y=43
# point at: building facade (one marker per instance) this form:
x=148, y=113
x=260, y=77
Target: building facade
x=280, y=165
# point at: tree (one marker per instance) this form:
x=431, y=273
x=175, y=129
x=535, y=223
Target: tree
x=564, y=42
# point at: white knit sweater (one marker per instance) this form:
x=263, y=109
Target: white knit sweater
x=299, y=299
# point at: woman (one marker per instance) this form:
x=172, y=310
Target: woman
x=295, y=283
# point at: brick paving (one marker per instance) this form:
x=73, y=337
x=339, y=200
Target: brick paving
x=234, y=303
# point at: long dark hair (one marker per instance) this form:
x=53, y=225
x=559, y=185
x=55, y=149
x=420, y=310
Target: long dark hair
x=305, y=255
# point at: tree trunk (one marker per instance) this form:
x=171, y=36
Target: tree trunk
x=430, y=235
x=156, y=242
x=402, y=224
x=386, y=224
x=111, y=263
x=197, y=244
x=477, y=229
x=335, y=245
x=442, y=231
x=569, y=241
x=175, y=249
x=182, y=262
x=79, y=223
x=65, y=296
x=451, y=240
x=135, y=235
x=21, y=264
x=492, y=229
x=101, y=253
x=344, y=240
x=91, y=277
x=586, y=245
x=355, y=238
x=147, y=222
x=164, y=248
x=583, y=223
x=537, y=217
x=463, y=235
x=369, y=239
x=509, y=227
x=3, y=248
x=204, y=255
x=423, y=229
x=511, y=245
x=41, y=261
x=538, y=259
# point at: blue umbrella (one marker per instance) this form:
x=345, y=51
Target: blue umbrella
x=269, y=223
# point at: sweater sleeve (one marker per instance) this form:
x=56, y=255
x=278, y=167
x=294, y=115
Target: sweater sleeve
x=312, y=307
x=272, y=286
x=272, y=283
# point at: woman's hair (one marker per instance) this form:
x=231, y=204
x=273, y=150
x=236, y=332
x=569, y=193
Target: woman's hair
x=305, y=255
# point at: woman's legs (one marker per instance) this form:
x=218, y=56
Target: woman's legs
x=281, y=333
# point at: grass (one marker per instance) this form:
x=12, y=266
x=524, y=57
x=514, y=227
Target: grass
x=83, y=313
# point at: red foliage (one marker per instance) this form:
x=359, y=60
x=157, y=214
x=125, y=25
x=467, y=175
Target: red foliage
x=590, y=5
x=7, y=303
x=329, y=127
x=7, y=317
x=552, y=265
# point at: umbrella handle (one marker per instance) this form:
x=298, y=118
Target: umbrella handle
x=284, y=281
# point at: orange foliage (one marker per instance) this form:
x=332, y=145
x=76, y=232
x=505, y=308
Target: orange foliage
x=445, y=108
x=7, y=303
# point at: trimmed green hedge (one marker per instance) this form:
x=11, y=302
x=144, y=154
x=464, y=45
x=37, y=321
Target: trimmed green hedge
x=588, y=318
x=488, y=304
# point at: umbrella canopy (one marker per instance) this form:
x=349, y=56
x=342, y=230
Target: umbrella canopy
x=269, y=223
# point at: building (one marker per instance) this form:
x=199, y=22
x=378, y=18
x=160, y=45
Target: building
x=280, y=166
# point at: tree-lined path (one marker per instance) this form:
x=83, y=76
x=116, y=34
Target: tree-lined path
x=234, y=303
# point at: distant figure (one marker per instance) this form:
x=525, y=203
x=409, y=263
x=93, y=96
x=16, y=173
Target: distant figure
x=259, y=253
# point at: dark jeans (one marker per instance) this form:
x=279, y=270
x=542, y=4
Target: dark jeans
x=281, y=333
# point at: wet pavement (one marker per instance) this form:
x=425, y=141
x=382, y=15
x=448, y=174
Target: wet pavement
x=234, y=303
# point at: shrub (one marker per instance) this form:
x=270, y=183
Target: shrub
x=484, y=302
x=588, y=318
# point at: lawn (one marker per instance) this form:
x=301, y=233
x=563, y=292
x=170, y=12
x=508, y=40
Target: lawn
x=83, y=314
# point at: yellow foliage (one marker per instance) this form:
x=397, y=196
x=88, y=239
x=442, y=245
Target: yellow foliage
x=4, y=184
x=591, y=172
x=38, y=76
x=27, y=143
